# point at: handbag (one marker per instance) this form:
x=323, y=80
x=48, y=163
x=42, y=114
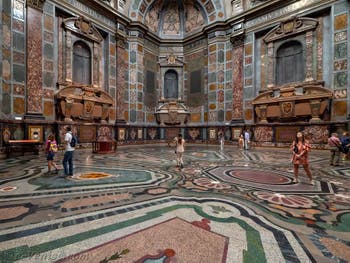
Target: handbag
x=295, y=149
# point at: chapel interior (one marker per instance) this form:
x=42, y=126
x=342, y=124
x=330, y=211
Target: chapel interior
x=128, y=76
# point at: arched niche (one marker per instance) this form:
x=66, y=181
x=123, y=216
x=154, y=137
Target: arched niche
x=81, y=63
x=171, y=85
x=290, y=62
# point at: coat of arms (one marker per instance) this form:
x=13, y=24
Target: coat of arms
x=287, y=109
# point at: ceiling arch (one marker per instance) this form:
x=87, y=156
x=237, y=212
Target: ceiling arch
x=176, y=18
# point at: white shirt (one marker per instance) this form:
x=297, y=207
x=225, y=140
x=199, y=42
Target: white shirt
x=68, y=138
x=247, y=136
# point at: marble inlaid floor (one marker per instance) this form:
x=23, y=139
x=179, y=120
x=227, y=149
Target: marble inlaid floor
x=137, y=206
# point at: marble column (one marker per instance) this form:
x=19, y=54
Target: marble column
x=34, y=98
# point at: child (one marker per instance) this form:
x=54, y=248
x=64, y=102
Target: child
x=241, y=141
x=51, y=149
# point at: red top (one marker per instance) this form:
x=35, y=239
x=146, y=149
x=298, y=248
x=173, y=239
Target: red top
x=301, y=157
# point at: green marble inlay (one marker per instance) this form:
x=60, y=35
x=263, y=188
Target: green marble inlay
x=133, y=57
x=340, y=80
x=48, y=51
x=48, y=79
x=119, y=177
x=248, y=71
x=19, y=73
x=254, y=253
x=212, y=77
x=18, y=41
x=228, y=95
x=221, y=56
x=343, y=225
x=228, y=75
x=340, y=50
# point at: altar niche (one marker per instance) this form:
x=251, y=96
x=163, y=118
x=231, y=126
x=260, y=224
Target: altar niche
x=171, y=109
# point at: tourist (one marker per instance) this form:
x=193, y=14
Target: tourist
x=180, y=149
x=68, y=155
x=246, y=139
x=300, y=148
x=334, y=144
x=51, y=149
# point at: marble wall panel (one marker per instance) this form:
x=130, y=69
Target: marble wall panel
x=18, y=57
x=18, y=89
x=19, y=73
x=248, y=49
x=263, y=134
x=340, y=50
x=340, y=21
x=340, y=108
x=48, y=37
x=341, y=65
x=49, y=108
x=6, y=103
x=195, y=117
x=48, y=65
x=18, y=106
x=248, y=114
x=6, y=70
x=340, y=80
x=18, y=25
x=319, y=134
x=48, y=22
x=340, y=94
x=340, y=36
x=48, y=93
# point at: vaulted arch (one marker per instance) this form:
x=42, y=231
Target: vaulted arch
x=176, y=17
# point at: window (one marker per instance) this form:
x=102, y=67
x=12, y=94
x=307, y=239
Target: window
x=171, y=85
x=121, y=4
x=81, y=63
x=290, y=63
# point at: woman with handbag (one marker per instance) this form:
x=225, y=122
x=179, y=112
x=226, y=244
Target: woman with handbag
x=300, y=148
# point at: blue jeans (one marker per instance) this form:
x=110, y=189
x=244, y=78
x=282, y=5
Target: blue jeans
x=68, y=158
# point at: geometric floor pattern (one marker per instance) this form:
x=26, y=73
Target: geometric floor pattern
x=135, y=205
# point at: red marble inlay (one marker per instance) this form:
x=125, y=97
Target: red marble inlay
x=260, y=177
x=237, y=79
x=34, y=59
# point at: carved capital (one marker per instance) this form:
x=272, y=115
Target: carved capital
x=237, y=38
x=37, y=4
x=121, y=40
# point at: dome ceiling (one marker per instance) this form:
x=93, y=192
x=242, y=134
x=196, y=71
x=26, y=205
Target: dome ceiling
x=176, y=19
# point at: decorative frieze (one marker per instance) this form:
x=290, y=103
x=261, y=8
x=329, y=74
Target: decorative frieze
x=37, y=4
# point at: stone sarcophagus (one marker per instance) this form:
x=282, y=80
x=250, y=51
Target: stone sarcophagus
x=84, y=103
x=302, y=101
x=172, y=112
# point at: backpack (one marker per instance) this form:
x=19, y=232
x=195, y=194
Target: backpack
x=53, y=147
x=74, y=141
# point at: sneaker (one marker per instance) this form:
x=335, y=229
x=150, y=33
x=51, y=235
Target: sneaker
x=295, y=180
x=312, y=182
